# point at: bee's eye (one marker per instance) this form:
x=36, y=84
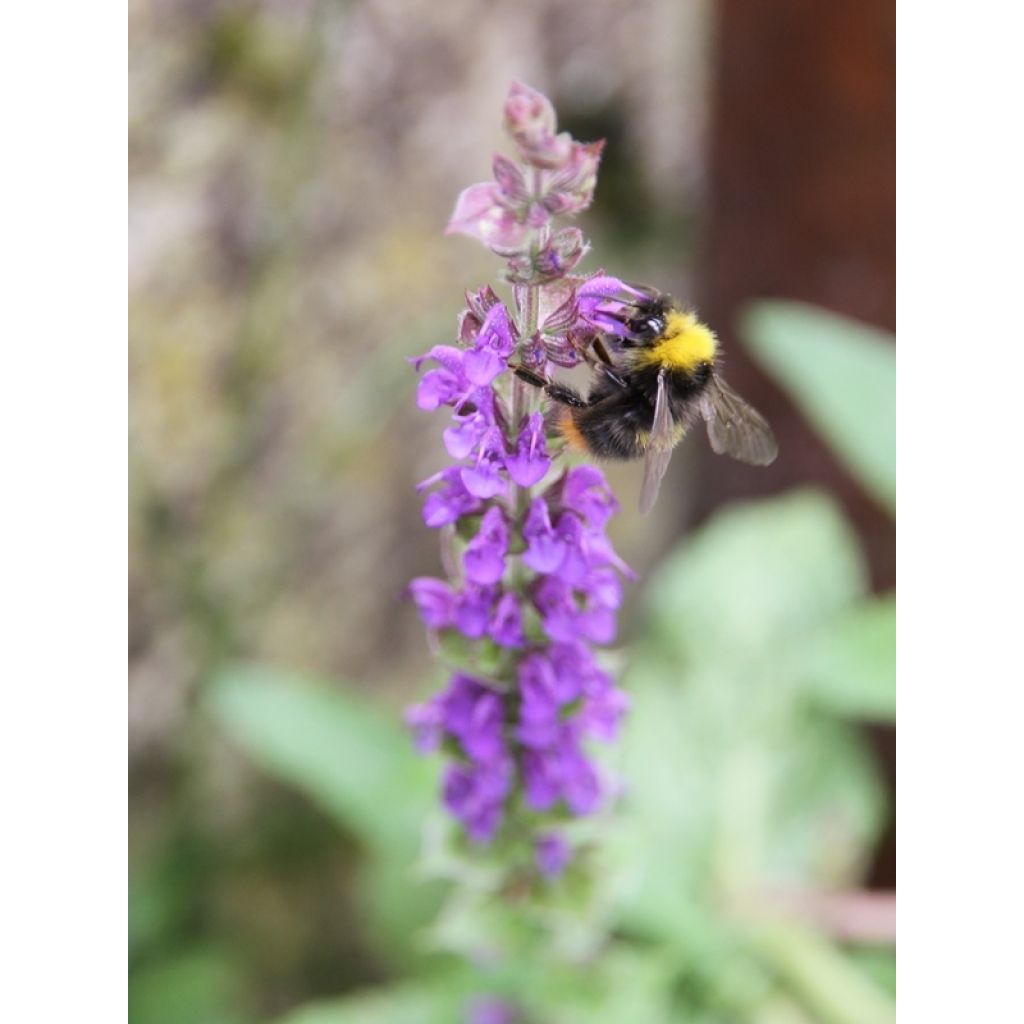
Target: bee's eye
x=655, y=325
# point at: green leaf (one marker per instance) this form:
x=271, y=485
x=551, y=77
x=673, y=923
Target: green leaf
x=829, y=983
x=202, y=986
x=334, y=746
x=757, y=574
x=842, y=374
x=360, y=767
x=733, y=781
x=851, y=667
x=423, y=1003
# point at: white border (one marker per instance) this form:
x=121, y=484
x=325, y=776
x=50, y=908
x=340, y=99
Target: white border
x=960, y=767
x=63, y=422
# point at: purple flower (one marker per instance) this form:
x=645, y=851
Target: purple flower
x=552, y=853
x=447, y=385
x=506, y=624
x=492, y=347
x=473, y=610
x=475, y=794
x=586, y=491
x=491, y=1010
x=484, y=558
x=539, y=722
x=530, y=463
x=450, y=502
x=602, y=302
x=540, y=780
x=575, y=567
x=426, y=723
x=484, y=478
x=435, y=600
x=473, y=714
x=581, y=786
x=545, y=550
x=603, y=709
x=568, y=614
x=462, y=439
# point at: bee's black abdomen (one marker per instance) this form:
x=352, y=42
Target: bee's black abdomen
x=616, y=427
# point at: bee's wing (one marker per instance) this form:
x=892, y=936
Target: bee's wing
x=735, y=428
x=659, y=448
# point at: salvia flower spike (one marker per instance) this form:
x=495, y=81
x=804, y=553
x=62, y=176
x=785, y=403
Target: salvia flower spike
x=534, y=585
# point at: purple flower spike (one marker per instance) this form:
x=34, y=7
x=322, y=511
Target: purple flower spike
x=534, y=583
x=484, y=559
x=530, y=463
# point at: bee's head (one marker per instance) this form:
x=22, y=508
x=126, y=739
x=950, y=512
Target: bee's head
x=648, y=319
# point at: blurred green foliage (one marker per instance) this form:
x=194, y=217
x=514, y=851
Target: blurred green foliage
x=842, y=375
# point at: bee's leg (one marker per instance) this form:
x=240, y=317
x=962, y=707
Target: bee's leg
x=557, y=392
x=530, y=376
x=566, y=395
x=601, y=352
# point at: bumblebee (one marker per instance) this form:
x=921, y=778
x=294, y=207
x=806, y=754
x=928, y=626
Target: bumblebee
x=663, y=376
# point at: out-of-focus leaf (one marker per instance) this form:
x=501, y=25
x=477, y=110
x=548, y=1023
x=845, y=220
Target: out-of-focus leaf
x=434, y=1002
x=630, y=985
x=879, y=964
x=830, y=984
x=851, y=666
x=842, y=374
x=202, y=987
x=360, y=767
x=335, y=747
x=758, y=574
x=733, y=782
x=153, y=908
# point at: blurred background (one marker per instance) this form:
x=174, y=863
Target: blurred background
x=293, y=164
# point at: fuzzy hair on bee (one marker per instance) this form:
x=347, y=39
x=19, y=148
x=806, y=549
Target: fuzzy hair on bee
x=650, y=381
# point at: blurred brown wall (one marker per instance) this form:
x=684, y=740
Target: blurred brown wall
x=803, y=200
x=803, y=206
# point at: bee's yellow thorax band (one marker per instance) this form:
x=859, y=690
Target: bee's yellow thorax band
x=684, y=344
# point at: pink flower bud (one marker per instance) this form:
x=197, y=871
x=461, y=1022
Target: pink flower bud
x=530, y=120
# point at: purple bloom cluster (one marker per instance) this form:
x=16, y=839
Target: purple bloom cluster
x=533, y=581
